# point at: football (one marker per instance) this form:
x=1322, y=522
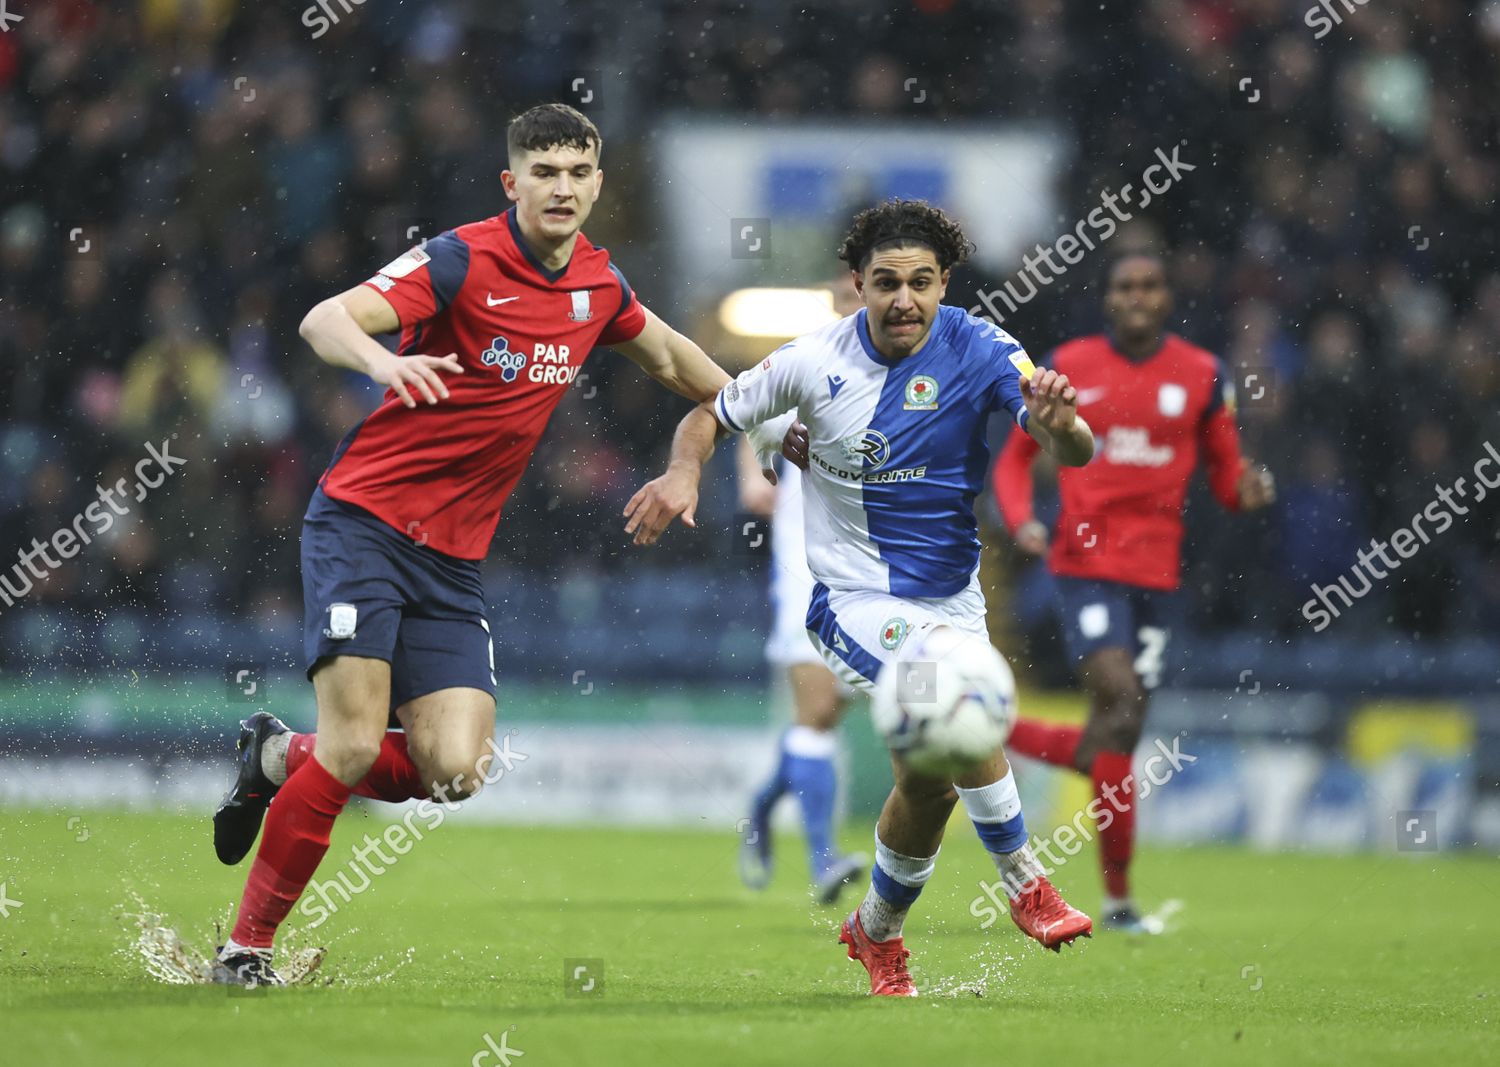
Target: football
x=946, y=702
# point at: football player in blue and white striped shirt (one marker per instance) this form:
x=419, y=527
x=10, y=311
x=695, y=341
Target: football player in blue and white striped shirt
x=892, y=405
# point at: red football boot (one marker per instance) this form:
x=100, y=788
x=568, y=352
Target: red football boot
x=885, y=960
x=1043, y=914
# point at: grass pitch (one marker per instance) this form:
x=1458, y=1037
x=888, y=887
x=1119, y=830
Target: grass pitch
x=1273, y=959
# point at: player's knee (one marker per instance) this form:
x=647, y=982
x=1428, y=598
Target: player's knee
x=455, y=787
x=455, y=773
x=348, y=757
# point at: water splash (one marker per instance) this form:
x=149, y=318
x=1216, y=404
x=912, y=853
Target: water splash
x=170, y=958
x=372, y=975
x=989, y=967
x=166, y=956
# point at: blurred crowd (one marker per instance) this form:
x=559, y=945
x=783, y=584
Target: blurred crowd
x=184, y=178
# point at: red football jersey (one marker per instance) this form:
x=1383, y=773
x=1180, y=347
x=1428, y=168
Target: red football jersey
x=441, y=473
x=1121, y=517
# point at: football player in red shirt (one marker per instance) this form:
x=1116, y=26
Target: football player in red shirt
x=496, y=319
x=1156, y=404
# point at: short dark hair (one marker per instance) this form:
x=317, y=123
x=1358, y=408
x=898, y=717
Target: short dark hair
x=1107, y=275
x=898, y=223
x=547, y=125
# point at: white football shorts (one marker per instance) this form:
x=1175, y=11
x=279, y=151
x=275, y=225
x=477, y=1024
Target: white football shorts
x=859, y=631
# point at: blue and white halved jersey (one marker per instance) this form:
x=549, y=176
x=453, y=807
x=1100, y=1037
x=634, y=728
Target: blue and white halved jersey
x=898, y=448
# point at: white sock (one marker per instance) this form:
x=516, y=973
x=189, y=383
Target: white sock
x=997, y=802
x=905, y=876
x=1019, y=870
x=809, y=743
x=996, y=813
x=232, y=947
x=273, y=757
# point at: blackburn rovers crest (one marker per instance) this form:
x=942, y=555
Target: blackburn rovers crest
x=921, y=393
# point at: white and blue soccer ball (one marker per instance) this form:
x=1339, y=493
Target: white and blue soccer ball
x=946, y=702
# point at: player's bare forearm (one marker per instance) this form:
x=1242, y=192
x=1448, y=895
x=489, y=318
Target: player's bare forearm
x=654, y=506
x=342, y=329
x=697, y=435
x=675, y=361
x=1072, y=447
x=332, y=332
x=690, y=372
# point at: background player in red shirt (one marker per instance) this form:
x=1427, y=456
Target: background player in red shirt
x=1156, y=404
x=391, y=543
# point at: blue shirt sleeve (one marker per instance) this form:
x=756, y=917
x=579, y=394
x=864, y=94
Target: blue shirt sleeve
x=997, y=352
x=448, y=269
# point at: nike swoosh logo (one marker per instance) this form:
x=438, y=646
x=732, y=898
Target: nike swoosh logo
x=1088, y=396
x=492, y=302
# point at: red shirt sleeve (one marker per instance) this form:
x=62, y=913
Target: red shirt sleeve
x=423, y=281
x=1219, y=441
x=1012, y=479
x=629, y=320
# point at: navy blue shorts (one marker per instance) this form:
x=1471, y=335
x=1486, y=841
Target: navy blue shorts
x=1097, y=615
x=367, y=590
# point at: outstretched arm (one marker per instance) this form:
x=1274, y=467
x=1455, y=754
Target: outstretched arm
x=1053, y=419
x=675, y=493
x=674, y=360
x=765, y=392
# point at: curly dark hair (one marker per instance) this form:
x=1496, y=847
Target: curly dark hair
x=896, y=223
x=547, y=125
